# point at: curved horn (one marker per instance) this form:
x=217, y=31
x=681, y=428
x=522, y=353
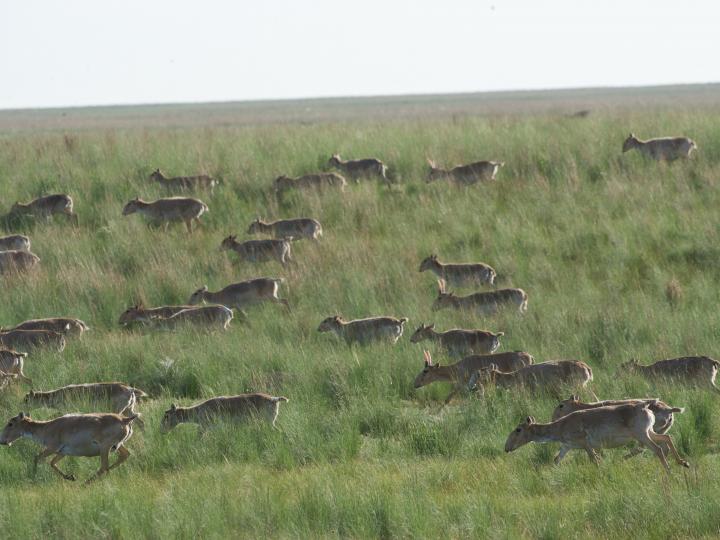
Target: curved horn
x=428, y=358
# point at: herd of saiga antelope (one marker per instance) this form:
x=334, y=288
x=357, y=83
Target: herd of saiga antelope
x=575, y=425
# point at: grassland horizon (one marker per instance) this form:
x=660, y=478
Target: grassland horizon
x=308, y=111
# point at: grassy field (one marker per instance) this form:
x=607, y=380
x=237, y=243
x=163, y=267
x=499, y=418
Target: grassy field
x=592, y=235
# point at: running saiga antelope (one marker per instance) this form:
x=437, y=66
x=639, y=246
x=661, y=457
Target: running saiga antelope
x=485, y=303
x=120, y=397
x=291, y=229
x=28, y=339
x=242, y=294
x=460, y=373
x=310, y=181
x=365, y=330
x=465, y=174
x=15, y=262
x=213, y=316
x=459, y=342
x=665, y=148
x=235, y=408
x=695, y=370
x=552, y=376
x=664, y=413
x=12, y=363
x=593, y=429
x=457, y=275
x=83, y=435
x=256, y=251
x=140, y=314
x=182, y=183
x=168, y=210
x=15, y=242
x=66, y=326
x=360, y=168
x=46, y=207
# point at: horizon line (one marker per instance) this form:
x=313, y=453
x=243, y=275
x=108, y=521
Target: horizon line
x=255, y=101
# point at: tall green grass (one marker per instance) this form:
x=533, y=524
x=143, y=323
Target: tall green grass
x=593, y=236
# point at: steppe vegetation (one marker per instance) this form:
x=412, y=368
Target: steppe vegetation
x=619, y=255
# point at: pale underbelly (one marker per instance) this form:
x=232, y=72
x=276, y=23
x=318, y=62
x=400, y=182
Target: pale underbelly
x=81, y=449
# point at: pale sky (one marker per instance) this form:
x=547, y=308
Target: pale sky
x=96, y=52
